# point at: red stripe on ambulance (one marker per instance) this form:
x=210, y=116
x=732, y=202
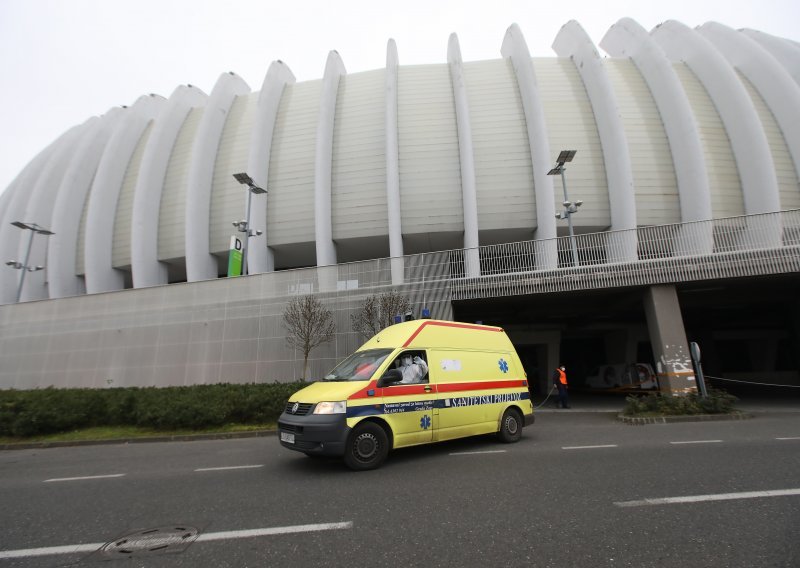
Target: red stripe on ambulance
x=449, y=324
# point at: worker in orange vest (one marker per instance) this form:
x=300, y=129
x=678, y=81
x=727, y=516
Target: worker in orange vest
x=560, y=381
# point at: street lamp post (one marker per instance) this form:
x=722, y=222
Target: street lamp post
x=33, y=228
x=244, y=225
x=570, y=207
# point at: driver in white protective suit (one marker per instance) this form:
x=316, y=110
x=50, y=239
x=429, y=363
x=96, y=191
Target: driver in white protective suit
x=413, y=370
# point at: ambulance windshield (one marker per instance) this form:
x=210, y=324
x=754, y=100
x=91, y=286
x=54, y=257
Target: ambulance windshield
x=360, y=366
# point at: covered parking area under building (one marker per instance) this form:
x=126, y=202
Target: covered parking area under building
x=748, y=330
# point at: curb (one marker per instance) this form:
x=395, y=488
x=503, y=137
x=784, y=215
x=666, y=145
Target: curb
x=641, y=421
x=145, y=440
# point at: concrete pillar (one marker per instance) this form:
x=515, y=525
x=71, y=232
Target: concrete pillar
x=668, y=337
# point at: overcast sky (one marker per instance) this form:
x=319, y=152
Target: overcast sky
x=63, y=61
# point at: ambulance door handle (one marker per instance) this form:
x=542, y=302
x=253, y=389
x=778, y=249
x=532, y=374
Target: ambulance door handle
x=428, y=388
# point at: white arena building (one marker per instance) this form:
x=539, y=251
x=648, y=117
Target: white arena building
x=434, y=181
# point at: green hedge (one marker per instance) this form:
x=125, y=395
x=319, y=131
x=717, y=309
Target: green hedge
x=717, y=402
x=49, y=411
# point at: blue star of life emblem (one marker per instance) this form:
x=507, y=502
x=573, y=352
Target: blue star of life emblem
x=425, y=422
x=503, y=365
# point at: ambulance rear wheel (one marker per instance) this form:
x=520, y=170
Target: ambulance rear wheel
x=510, y=426
x=367, y=447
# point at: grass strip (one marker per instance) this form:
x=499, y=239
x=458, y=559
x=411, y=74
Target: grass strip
x=102, y=433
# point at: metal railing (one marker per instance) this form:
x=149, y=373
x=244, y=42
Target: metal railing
x=721, y=248
x=743, y=246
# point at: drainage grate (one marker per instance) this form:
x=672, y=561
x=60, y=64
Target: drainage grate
x=150, y=542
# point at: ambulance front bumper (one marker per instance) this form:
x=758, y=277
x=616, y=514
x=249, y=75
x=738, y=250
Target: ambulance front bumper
x=314, y=434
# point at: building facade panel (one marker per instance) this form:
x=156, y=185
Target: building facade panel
x=788, y=184
x=290, y=216
x=358, y=171
x=121, y=248
x=654, y=179
x=430, y=169
x=104, y=197
x=503, y=170
x=201, y=264
x=571, y=126
x=40, y=206
x=723, y=175
x=14, y=207
x=171, y=219
x=228, y=197
x=145, y=267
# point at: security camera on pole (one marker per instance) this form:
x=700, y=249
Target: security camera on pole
x=34, y=229
x=243, y=226
x=570, y=207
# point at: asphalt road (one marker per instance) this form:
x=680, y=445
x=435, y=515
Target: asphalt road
x=571, y=493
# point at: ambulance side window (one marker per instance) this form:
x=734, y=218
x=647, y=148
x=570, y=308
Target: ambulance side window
x=413, y=365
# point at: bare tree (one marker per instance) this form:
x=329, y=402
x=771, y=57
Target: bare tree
x=378, y=312
x=308, y=324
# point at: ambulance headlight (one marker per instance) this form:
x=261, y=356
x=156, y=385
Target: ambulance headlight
x=338, y=407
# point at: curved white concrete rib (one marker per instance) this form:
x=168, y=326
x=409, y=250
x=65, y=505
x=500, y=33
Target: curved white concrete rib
x=771, y=80
x=200, y=263
x=627, y=38
x=323, y=223
x=41, y=210
x=259, y=255
x=6, y=283
x=469, y=192
x=748, y=141
x=393, y=166
x=515, y=48
x=19, y=193
x=62, y=252
x=573, y=42
x=145, y=266
x=786, y=52
x=101, y=276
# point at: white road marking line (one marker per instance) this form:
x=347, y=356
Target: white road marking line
x=698, y=442
x=51, y=550
x=84, y=478
x=480, y=452
x=227, y=535
x=794, y=438
x=588, y=447
x=229, y=467
x=715, y=497
x=274, y=530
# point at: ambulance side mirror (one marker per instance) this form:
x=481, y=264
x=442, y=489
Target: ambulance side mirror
x=389, y=377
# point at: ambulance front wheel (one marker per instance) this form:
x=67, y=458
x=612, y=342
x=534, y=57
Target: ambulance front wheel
x=511, y=426
x=367, y=447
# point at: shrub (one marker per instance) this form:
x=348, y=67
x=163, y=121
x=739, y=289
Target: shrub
x=48, y=411
x=717, y=402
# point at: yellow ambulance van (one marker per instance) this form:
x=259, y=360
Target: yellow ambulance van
x=413, y=383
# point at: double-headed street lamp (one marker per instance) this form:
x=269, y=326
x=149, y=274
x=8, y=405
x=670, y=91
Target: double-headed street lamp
x=33, y=228
x=243, y=226
x=570, y=207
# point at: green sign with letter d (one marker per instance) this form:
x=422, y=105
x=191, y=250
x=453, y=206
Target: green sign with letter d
x=235, y=257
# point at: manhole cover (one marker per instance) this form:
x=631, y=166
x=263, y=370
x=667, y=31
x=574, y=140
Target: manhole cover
x=148, y=542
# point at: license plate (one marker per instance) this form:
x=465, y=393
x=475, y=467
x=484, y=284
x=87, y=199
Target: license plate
x=287, y=437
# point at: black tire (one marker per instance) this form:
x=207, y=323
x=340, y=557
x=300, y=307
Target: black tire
x=367, y=447
x=511, y=426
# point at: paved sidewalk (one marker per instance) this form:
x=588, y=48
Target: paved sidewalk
x=587, y=402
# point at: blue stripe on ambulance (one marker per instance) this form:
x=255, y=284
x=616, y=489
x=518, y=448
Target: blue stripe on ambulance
x=423, y=405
